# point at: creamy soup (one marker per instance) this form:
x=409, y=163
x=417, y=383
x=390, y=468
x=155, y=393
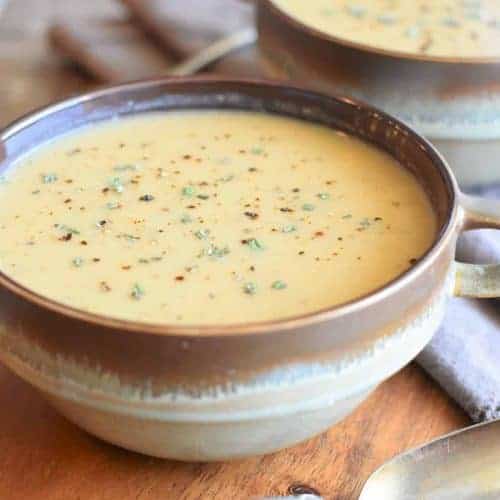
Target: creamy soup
x=448, y=28
x=209, y=217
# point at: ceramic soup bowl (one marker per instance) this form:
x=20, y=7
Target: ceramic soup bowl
x=453, y=101
x=206, y=393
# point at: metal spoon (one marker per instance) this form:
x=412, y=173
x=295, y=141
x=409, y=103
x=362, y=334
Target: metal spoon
x=214, y=52
x=463, y=465
x=459, y=466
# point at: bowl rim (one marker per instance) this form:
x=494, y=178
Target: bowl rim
x=371, y=49
x=257, y=327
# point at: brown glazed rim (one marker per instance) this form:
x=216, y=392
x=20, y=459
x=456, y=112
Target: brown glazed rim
x=261, y=327
x=316, y=33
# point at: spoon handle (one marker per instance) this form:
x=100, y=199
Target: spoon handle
x=214, y=52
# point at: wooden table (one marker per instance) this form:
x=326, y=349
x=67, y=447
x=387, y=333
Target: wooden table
x=42, y=456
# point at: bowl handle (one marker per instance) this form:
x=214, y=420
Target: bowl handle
x=475, y=280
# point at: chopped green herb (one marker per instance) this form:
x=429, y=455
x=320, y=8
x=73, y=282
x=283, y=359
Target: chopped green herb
x=356, y=10
x=49, y=178
x=147, y=197
x=323, y=196
x=220, y=252
x=137, y=292
x=186, y=219
x=124, y=168
x=113, y=205
x=202, y=234
x=279, y=285
x=77, y=262
x=129, y=237
x=413, y=31
x=223, y=161
x=226, y=178
x=255, y=244
x=308, y=207
x=473, y=12
x=188, y=191
x=347, y=216
x=143, y=260
x=36, y=191
x=387, y=18
x=66, y=229
x=450, y=22
x=116, y=185
x=250, y=288
x=257, y=150
x=214, y=251
x=203, y=196
x=289, y=228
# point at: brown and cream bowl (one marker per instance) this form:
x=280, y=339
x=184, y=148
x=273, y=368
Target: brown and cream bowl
x=207, y=392
x=451, y=98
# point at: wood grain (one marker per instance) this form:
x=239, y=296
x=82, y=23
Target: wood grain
x=57, y=461
x=42, y=456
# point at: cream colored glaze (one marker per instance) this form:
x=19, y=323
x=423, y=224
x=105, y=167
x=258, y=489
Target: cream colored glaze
x=446, y=28
x=370, y=217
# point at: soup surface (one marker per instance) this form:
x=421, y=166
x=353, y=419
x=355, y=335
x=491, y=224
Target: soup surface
x=209, y=217
x=447, y=28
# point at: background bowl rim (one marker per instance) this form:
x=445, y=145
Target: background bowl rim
x=371, y=49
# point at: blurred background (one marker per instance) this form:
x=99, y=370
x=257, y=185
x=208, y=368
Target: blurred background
x=31, y=74
x=52, y=48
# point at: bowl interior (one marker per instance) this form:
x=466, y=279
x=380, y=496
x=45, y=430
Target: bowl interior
x=340, y=113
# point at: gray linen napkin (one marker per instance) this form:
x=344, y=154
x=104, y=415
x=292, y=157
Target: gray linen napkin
x=464, y=355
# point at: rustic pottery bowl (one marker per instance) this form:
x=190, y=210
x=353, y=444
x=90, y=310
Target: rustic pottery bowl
x=454, y=102
x=213, y=393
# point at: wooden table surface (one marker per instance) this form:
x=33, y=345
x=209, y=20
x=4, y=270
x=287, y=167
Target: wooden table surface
x=42, y=456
